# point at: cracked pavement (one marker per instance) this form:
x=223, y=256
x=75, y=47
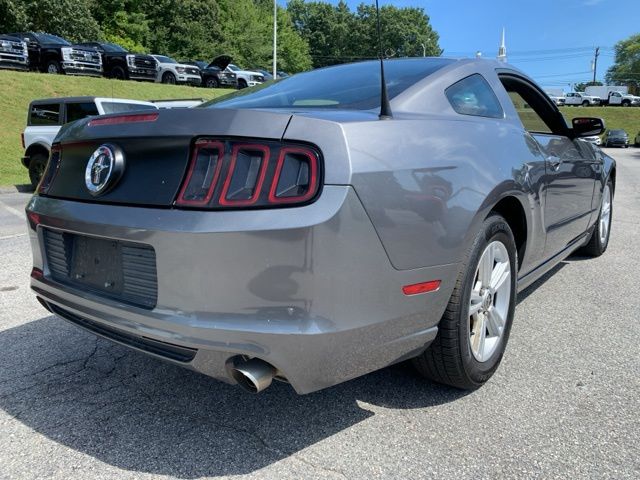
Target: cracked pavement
x=564, y=403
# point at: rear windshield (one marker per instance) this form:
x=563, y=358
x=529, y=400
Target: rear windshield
x=353, y=86
x=45, y=114
x=116, y=107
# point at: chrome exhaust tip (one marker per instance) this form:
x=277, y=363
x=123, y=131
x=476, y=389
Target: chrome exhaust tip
x=254, y=375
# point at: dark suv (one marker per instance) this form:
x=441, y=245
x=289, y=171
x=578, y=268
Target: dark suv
x=13, y=53
x=122, y=65
x=51, y=54
x=213, y=74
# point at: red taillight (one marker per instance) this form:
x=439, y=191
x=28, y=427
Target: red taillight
x=423, y=287
x=228, y=174
x=202, y=176
x=37, y=273
x=51, y=170
x=296, y=174
x=245, y=175
x=133, y=118
x=33, y=219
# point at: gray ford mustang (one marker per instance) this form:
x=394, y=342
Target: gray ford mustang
x=290, y=232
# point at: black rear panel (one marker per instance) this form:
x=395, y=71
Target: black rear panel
x=123, y=271
x=153, y=171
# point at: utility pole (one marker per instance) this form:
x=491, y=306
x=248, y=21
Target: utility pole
x=275, y=38
x=595, y=63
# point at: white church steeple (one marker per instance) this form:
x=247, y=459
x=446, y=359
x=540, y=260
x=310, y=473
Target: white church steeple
x=502, y=50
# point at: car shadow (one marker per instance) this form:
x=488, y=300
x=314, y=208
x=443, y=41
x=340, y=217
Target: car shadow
x=24, y=188
x=141, y=414
x=524, y=294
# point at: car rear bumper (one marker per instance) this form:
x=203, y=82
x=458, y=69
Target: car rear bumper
x=309, y=290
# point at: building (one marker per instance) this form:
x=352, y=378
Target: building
x=502, y=49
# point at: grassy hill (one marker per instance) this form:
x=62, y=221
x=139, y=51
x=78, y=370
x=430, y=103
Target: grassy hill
x=17, y=89
x=614, y=117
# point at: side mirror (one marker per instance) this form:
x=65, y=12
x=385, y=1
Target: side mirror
x=587, y=126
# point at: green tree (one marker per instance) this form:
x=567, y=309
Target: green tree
x=123, y=22
x=582, y=86
x=70, y=19
x=626, y=69
x=13, y=16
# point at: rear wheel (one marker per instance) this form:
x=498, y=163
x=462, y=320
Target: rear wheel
x=585, y=103
x=53, y=67
x=626, y=103
x=37, y=165
x=118, y=73
x=474, y=329
x=169, y=78
x=212, y=82
x=600, y=236
x=242, y=83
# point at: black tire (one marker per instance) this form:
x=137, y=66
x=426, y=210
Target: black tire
x=449, y=359
x=169, y=78
x=118, y=73
x=585, y=103
x=242, y=83
x=37, y=166
x=626, y=103
x=595, y=246
x=212, y=82
x=53, y=67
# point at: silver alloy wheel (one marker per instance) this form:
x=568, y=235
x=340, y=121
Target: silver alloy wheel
x=52, y=68
x=605, y=215
x=489, y=301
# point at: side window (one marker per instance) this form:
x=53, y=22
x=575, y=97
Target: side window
x=77, y=111
x=474, y=96
x=531, y=120
x=48, y=114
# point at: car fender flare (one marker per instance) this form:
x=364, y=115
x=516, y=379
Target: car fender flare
x=505, y=190
x=38, y=145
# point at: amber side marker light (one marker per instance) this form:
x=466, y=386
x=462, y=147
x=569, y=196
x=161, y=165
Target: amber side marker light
x=423, y=287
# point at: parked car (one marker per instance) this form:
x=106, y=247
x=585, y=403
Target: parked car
x=46, y=117
x=246, y=78
x=173, y=72
x=282, y=74
x=52, y=54
x=622, y=99
x=267, y=75
x=214, y=74
x=616, y=138
x=595, y=139
x=301, y=232
x=13, y=53
x=579, y=98
x=120, y=64
x=557, y=99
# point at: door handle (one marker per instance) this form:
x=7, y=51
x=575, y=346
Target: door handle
x=554, y=162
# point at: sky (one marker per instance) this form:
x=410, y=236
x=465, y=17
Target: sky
x=552, y=41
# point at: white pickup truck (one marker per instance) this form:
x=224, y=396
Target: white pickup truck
x=579, y=98
x=46, y=116
x=623, y=99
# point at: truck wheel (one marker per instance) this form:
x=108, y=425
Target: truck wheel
x=169, y=78
x=212, y=82
x=626, y=103
x=118, y=73
x=242, y=83
x=37, y=165
x=585, y=103
x=473, y=332
x=53, y=67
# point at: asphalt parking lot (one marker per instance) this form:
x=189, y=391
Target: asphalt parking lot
x=564, y=403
